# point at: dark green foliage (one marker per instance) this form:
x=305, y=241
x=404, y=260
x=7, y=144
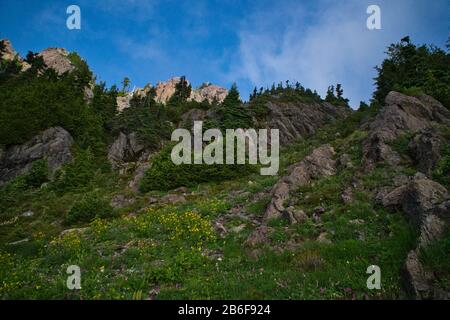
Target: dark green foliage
x=425, y=68
x=182, y=91
x=442, y=171
x=36, y=63
x=104, y=103
x=37, y=175
x=231, y=113
x=179, y=104
x=435, y=258
x=289, y=94
x=338, y=98
x=8, y=68
x=36, y=100
x=125, y=85
x=165, y=175
x=90, y=207
x=82, y=75
x=76, y=175
x=145, y=117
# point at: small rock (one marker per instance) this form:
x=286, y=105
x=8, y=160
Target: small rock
x=295, y=216
x=19, y=242
x=238, y=229
x=347, y=196
x=172, y=198
x=182, y=190
x=220, y=228
x=316, y=218
x=152, y=200
x=259, y=236
x=73, y=230
x=319, y=210
x=357, y=222
x=400, y=180
x=120, y=201
x=153, y=293
x=322, y=238
x=345, y=161
x=414, y=277
x=28, y=213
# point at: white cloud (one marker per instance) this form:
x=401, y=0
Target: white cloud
x=320, y=47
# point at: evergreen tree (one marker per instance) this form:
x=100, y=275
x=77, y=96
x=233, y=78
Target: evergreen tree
x=411, y=68
x=339, y=91
x=330, y=97
x=125, y=84
x=232, y=112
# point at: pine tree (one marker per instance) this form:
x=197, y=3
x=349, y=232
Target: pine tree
x=339, y=91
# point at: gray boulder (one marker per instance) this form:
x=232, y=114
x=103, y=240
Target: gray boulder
x=426, y=204
x=425, y=149
x=52, y=144
x=126, y=148
x=295, y=120
x=318, y=163
x=402, y=114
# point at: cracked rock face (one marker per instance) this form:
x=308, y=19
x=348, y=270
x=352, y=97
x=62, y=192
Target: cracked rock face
x=402, y=114
x=318, y=163
x=425, y=149
x=125, y=148
x=57, y=59
x=301, y=119
x=425, y=203
x=10, y=54
x=209, y=92
x=165, y=90
x=52, y=144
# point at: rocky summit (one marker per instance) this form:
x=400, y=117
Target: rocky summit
x=87, y=179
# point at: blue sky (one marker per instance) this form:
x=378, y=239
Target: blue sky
x=252, y=43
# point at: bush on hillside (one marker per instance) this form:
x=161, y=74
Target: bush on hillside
x=165, y=175
x=90, y=207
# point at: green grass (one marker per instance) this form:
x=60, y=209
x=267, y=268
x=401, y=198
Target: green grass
x=175, y=249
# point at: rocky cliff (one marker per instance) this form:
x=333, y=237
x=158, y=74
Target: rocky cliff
x=165, y=90
x=10, y=54
x=52, y=145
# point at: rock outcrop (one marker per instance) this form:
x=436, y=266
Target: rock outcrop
x=319, y=163
x=126, y=148
x=425, y=203
x=425, y=149
x=57, y=59
x=209, y=92
x=8, y=53
x=402, y=114
x=188, y=118
x=53, y=145
x=301, y=119
x=123, y=102
x=165, y=89
x=127, y=154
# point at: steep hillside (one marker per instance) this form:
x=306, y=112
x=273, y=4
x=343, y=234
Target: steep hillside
x=86, y=179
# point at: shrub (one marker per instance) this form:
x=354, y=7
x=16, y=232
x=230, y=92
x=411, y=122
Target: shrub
x=442, y=171
x=37, y=175
x=87, y=209
x=165, y=175
x=75, y=175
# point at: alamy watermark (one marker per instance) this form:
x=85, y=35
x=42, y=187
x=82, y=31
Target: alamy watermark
x=256, y=143
x=74, y=279
x=73, y=21
x=374, y=20
x=374, y=280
